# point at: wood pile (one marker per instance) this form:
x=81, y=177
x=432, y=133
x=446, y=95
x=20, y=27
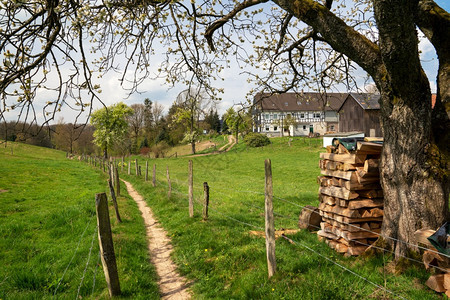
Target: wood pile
x=351, y=198
x=436, y=263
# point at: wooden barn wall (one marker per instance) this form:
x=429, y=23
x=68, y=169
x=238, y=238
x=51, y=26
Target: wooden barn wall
x=372, y=121
x=351, y=117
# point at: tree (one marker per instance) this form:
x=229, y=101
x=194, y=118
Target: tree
x=136, y=122
x=110, y=125
x=193, y=103
x=237, y=121
x=309, y=44
x=65, y=135
x=212, y=120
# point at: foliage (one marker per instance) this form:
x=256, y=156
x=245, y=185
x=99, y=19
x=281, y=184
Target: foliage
x=237, y=121
x=110, y=124
x=254, y=139
x=160, y=149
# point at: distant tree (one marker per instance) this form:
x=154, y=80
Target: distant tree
x=193, y=104
x=212, y=120
x=110, y=125
x=224, y=128
x=64, y=135
x=136, y=122
x=237, y=121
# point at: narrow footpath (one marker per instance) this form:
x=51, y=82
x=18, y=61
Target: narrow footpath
x=171, y=284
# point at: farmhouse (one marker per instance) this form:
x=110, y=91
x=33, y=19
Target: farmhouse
x=292, y=114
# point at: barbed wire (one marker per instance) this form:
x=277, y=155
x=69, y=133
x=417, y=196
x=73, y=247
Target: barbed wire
x=73, y=256
x=87, y=261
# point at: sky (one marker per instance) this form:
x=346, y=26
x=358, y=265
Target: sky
x=235, y=84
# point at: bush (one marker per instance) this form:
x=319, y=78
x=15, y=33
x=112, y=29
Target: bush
x=160, y=149
x=254, y=139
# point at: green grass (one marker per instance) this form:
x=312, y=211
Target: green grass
x=48, y=242
x=224, y=261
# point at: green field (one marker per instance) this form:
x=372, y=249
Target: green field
x=49, y=204
x=48, y=244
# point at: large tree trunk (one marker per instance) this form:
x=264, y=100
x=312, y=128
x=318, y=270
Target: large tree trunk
x=413, y=171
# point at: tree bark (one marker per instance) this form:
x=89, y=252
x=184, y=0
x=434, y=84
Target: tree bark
x=413, y=175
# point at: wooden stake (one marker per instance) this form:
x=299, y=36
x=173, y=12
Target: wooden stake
x=129, y=167
x=137, y=167
x=146, y=170
x=270, y=227
x=114, y=201
x=106, y=245
x=116, y=173
x=191, y=190
x=154, y=175
x=169, y=193
x=206, y=203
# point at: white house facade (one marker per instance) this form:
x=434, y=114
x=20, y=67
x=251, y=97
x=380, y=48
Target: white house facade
x=292, y=114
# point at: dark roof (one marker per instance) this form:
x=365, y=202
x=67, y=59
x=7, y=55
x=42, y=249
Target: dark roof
x=367, y=101
x=291, y=102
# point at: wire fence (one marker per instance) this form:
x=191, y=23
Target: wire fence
x=182, y=183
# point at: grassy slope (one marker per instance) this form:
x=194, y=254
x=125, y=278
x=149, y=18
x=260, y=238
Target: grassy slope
x=48, y=224
x=224, y=261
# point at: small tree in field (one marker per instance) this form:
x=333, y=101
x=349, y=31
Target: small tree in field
x=110, y=125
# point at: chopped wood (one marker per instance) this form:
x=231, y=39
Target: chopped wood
x=372, y=165
x=436, y=283
x=309, y=218
x=347, y=175
x=345, y=167
x=345, y=158
x=330, y=165
x=338, y=192
x=357, y=204
x=447, y=281
x=431, y=258
x=375, y=225
x=341, y=248
x=372, y=194
x=331, y=149
x=342, y=149
x=422, y=235
x=364, y=174
x=327, y=235
x=350, y=213
x=373, y=139
x=327, y=199
x=278, y=233
x=372, y=213
x=369, y=147
x=356, y=250
x=355, y=186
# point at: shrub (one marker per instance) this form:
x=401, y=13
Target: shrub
x=254, y=139
x=160, y=149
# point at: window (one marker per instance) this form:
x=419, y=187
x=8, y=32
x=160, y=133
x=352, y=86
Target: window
x=299, y=103
x=302, y=116
x=317, y=115
x=275, y=128
x=267, y=128
x=267, y=116
x=331, y=127
x=304, y=127
x=275, y=116
x=286, y=104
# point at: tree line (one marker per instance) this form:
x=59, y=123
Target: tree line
x=141, y=128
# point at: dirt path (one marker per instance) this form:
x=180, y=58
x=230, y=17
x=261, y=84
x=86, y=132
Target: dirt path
x=171, y=284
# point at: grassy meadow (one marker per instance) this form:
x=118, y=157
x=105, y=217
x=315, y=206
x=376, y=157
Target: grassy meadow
x=48, y=245
x=223, y=261
x=47, y=224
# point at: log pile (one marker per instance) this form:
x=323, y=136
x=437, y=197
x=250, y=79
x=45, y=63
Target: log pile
x=436, y=263
x=351, y=198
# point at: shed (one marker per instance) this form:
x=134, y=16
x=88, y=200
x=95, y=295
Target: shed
x=361, y=112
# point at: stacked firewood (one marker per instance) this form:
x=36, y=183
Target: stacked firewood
x=351, y=198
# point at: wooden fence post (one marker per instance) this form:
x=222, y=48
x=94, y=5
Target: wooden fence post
x=169, y=193
x=106, y=245
x=191, y=190
x=206, y=203
x=154, y=175
x=116, y=173
x=137, y=167
x=129, y=167
x=146, y=170
x=114, y=201
x=270, y=227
